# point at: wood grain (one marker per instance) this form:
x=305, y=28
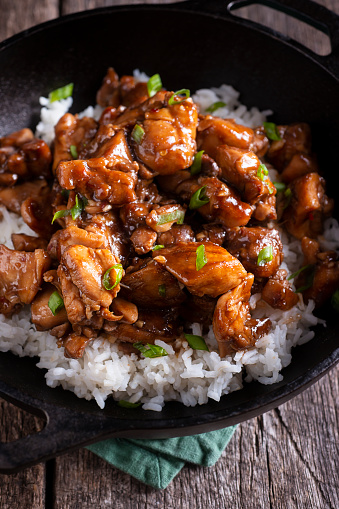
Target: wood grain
x=286, y=458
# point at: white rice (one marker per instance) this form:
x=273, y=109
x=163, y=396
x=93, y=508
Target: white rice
x=192, y=376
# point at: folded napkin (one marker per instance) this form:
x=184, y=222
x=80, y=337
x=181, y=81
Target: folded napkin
x=157, y=462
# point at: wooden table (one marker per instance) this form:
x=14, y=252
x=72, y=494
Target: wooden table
x=286, y=458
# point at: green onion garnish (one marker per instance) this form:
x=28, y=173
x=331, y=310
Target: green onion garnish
x=184, y=91
x=55, y=302
x=73, y=151
x=61, y=93
x=75, y=211
x=215, y=106
x=335, y=300
x=154, y=84
x=196, y=166
x=288, y=197
x=196, y=342
x=176, y=215
x=271, y=131
x=265, y=256
x=158, y=246
x=262, y=172
x=152, y=351
x=280, y=186
x=118, y=275
x=199, y=198
x=128, y=404
x=162, y=290
x=77, y=208
x=137, y=133
x=201, y=258
x=295, y=274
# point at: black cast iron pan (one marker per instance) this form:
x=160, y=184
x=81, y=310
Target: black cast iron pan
x=193, y=44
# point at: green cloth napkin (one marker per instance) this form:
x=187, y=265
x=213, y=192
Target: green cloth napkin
x=157, y=462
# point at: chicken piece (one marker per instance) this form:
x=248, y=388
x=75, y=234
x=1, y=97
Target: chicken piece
x=177, y=233
x=72, y=235
x=151, y=325
x=72, y=130
x=261, y=143
x=224, y=204
x=108, y=94
x=20, y=277
x=22, y=242
x=74, y=306
x=241, y=169
x=212, y=233
x=74, y=345
x=85, y=267
x=209, y=167
x=321, y=277
x=111, y=176
x=23, y=157
x=162, y=219
x=143, y=239
x=221, y=273
x=308, y=206
x=42, y=315
x=37, y=212
x=266, y=208
x=12, y=197
x=126, y=309
x=134, y=215
x=298, y=166
x=278, y=292
x=246, y=244
x=215, y=131
x=233, y=326
x=295, y=139
x=168, y=143
x=152, y=286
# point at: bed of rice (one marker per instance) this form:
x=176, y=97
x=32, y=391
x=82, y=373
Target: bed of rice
x=192, y=376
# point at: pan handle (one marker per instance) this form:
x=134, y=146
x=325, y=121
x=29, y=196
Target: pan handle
x=308, y=11
x=64, y=431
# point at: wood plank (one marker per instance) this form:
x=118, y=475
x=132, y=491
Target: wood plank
x=26, y=488
x=70, y=6
x=17, y=15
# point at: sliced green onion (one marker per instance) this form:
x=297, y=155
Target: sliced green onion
x=196, y=342
x=55, y=302
x=271, y=131
x=184, y=91
x=77, y=208
x=265, y=256
x=118, y=276
x=73, y=151
x=176, y=215
x=137, y=133
x=196, y=165
x=288, y=197
x=61, y=93
x=128, y=404
x=61, y=213
x=335, y=300
x=280, y=186
x=295, y=274
x=162, y=290
x=201, y=258
x=158, y=246
x=215, y=106
x=154, y=84
x=199, y=198
x=262, y=172
x=152, y=351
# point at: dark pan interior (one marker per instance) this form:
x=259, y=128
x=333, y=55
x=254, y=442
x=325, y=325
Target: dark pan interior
x=189, y=51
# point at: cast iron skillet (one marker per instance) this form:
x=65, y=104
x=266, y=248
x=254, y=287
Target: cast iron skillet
x=193, y=44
